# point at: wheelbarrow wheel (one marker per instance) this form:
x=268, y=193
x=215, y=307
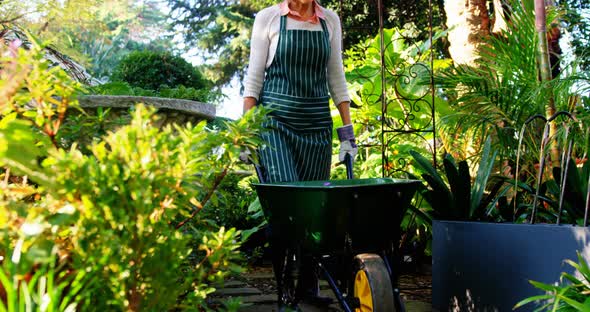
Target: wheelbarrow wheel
x=372, y=284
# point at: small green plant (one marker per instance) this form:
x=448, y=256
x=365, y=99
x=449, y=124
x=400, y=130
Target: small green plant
x=574, y=197
x=82, y=129
x=46, y=288
x=458, y=198
x=235, y=196
x=570, y=294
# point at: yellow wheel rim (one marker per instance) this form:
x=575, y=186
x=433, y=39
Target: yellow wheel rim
x=362, y=291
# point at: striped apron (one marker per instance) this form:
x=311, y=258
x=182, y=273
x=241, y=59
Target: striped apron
x=298, y=143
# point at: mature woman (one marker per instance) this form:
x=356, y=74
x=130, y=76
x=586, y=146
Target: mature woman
x=295, y=65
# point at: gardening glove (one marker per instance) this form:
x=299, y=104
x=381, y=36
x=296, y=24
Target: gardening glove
x=347, y=142
x=246, y=156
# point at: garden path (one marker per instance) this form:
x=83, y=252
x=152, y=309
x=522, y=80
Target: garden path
x=256, y=288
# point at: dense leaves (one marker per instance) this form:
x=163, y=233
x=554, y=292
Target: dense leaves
x=154, y=70
x=360, y=19
x=223, y=28
x=408, y=101
x=96, y=33
x=100, y=226
x=577, y=24
x=495, y=97
x=220, y=30
x=458, y=196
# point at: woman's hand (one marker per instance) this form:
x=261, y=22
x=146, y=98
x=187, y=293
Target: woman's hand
x=346, y=133
x=347, y=142
x=249, y=102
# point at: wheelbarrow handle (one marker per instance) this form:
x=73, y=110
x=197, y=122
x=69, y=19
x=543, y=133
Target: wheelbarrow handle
x=260, y=173
x=348, y=164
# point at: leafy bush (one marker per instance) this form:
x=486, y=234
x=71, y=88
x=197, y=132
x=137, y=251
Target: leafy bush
x=155, y=70
x=462, y=199
x=82, y=129
x=232, y=207
x=118, y=228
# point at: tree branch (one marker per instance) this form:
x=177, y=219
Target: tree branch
x=218, y=180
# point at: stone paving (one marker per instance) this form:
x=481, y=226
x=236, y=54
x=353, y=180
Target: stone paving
x=257, y=297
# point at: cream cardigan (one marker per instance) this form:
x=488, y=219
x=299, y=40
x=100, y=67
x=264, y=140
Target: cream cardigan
x=265, y=37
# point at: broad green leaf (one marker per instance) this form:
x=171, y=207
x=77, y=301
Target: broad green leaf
x=483, y=174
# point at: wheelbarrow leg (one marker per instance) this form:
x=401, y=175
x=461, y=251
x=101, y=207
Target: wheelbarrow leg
x=282, y=263
x=346, y=306
x=394, y=273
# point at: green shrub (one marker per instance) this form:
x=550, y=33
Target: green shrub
x=117, y=228
x=156, y=70
x=231, y=209
x=180, y=92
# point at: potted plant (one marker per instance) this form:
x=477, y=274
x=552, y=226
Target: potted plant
x=484, y=253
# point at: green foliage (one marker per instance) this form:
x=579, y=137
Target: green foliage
x=222, y=31
x=82, y=129
x=138, y=181
x=123, y=219
x=47, y=289
x=494, y=98
x=96, y=33
x=39, y=95
x=571, y=294
x=231, y=210
x=180, y=92
x=155, y=70
x=360, y=18
x=577, y=24
x=158, y=74
x=407, y=96
x=457, y=197
x=574, y=194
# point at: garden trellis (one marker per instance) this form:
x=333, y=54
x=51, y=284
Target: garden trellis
x=407, y=98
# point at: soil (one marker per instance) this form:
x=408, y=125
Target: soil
x=416, y=286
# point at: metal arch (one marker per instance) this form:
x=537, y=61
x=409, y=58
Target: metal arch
x=412, y=124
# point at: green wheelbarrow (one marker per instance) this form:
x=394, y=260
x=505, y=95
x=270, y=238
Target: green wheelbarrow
x=351, y=229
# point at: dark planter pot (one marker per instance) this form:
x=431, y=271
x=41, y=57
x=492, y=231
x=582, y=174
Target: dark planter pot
x=486, y=266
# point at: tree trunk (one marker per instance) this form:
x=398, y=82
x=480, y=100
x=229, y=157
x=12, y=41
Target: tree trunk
x=499, y=17
x=468, y=22
x=545, y=72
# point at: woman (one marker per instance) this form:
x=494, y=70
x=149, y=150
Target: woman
x=295, y=58
x=295, y=65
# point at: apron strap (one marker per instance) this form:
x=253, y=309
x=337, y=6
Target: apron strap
x=283, y=24
x=325, y=28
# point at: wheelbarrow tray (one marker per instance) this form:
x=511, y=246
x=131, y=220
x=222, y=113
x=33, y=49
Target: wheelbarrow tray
x=321, y=215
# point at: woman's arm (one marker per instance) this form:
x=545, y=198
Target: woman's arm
x=257, y=64
x=336, y=78
x=344, y=110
